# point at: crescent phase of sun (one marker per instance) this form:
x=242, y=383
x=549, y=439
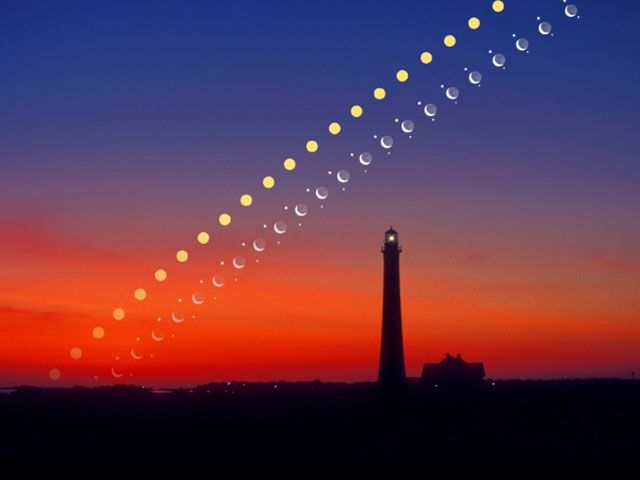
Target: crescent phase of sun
x=135, y=356
x=157, y=338
x=194, y=299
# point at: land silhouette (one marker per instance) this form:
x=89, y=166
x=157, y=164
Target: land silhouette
x=579, y=421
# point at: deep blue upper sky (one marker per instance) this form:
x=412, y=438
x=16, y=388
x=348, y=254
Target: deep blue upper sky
x=127, y=100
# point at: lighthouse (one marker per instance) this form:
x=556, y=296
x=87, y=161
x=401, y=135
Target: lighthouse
x=391, y=372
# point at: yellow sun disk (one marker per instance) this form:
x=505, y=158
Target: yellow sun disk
x=160, y=275
x=312, y=146
x=289, y=164
x=203, y=238
x=246, y=200
x=118, y=314
x=449, y=40
x=498, y=6
x=98, y=333
x=182, y=256
x=334, y=128
x=426, y=58
x=75, y=353
x=224, y=219
x=140, y=294
x=379, y=93
x=268, y=182
x=474, y=23
x=402, y=76
x=356, y=111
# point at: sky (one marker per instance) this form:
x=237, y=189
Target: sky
x=128, y=127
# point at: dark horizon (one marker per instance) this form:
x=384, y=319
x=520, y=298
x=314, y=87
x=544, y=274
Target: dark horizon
x=530, y=422
x=410, y=380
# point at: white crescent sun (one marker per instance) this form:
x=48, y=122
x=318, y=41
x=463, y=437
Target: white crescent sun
x=198, y=300
x=115, y=373
x=135, y=356
x=386, y=141
x=157, y=338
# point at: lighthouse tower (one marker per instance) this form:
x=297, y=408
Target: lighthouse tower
x=391, y=373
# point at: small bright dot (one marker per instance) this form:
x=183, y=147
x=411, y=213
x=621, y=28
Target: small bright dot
x=356, y=111
x=268, y=182
x=498, y=6
x=203, y=238
x=334, y=128
x=426, y=58
x=246, y=200
x=450, y=40
x=474, y=23
x=402, y=76
x=224, y=219
x=118, y=314
x=54, y=374
x=75, y=353
x=160, y=275
x=140, y=294
x=182, y=256
x=379, y=93
x=289, y=164
x=312, y=146
x=98, y=333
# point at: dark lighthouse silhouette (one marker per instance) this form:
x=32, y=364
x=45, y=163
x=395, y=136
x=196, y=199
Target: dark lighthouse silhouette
x=452, y=371
x=392, y=372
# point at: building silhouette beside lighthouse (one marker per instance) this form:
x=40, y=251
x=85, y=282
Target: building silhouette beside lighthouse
x=392, y=371
x=451, y=371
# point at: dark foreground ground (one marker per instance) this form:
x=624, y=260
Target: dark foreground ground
x=319, y=423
